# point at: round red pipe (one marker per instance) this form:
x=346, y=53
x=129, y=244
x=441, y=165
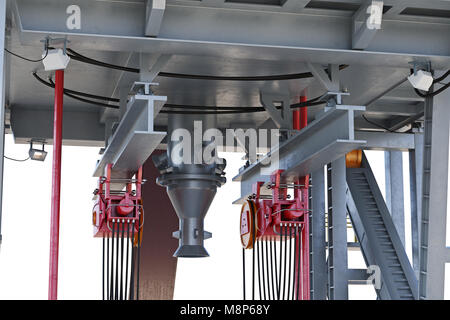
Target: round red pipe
x=56, y=186
x=300, y=116
x=303, y=114
x=296, y=119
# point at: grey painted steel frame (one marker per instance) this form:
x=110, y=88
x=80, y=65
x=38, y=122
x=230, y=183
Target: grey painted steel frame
x=415, y=175
x=433, y=251
x=2, y=102
x=324, y=140
x=394, y=190
x=192, y=30
x=374, y=254
x=318, y=262
x=337, y=233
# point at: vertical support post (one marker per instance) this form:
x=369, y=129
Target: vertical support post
x=415, y=176
x=433, y=251
x=2, y=103
x=318, y=245
x=56, y=186
x=337, y=231
x=394, y=190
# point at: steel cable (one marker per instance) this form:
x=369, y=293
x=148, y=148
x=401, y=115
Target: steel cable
x=258, y=258
x=107, y=267
x=253, y=257
x=79, y=57
x=121, y=262
x=285, y=259
x=275, y=268
x=243, y=270
x=103, y=268
x=116, y=291
x=203, y=109
x=299, y=262
x=267, y=268
x=290, y=261
x=295, y=262
x=111, y=293
x=138, y=258
x=126, y=263
x=133, y=265
x=272, y=270
x=280, y=259
x=262, y=268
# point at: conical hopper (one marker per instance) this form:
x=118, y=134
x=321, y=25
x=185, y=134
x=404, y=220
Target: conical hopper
x=191, y=204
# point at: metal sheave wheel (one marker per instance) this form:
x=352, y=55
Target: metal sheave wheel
x=249, y=223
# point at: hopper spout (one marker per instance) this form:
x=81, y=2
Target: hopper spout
x=191, y=183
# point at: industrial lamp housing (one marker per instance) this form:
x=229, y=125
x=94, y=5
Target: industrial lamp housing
x=421, y=80
x=36, y=154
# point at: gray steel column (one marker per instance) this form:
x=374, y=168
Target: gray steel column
x=394, y=190
x=415, y=178
x=337, y=232
x=433, y=252
x=2, y=102
x=317, y=231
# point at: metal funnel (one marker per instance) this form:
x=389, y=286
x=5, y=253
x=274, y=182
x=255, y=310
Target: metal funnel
x=191, y=185
x=191, y=205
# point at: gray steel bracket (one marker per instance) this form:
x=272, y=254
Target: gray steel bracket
x=154, y=16
x=283, y=119
x=326, y=139
x=134, y=139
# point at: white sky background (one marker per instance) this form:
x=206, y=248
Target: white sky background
x=26, y=219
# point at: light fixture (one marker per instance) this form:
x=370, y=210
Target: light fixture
x=421, y=80
x=55, y=59
x=37, y=154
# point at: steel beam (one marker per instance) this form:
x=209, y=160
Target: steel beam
x=337, y=232
x=394, y=109
x=190, y=30
x=415, y=176
x=365, y=23
x=318, y=244
x=386, y=140
x=394, y=190
x=2, y=103
x=326, y=139
x=433, y=251
x=154, y=16
x=134, y=139
x=28, y=124
x=357, y=276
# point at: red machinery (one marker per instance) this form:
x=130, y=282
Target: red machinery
x=284, y=219
x=118, y=218
x=117, y=206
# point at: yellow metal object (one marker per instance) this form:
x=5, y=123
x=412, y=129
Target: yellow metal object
x=353, y=159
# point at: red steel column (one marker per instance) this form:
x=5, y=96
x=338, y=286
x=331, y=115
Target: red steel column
x=56, y=186
x=300, y=116
x=300, y=121
x=303, y=114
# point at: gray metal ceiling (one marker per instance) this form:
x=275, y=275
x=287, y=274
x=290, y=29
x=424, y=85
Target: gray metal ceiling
x=364, y=81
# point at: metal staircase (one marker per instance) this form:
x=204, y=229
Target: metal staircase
x=380, y=243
